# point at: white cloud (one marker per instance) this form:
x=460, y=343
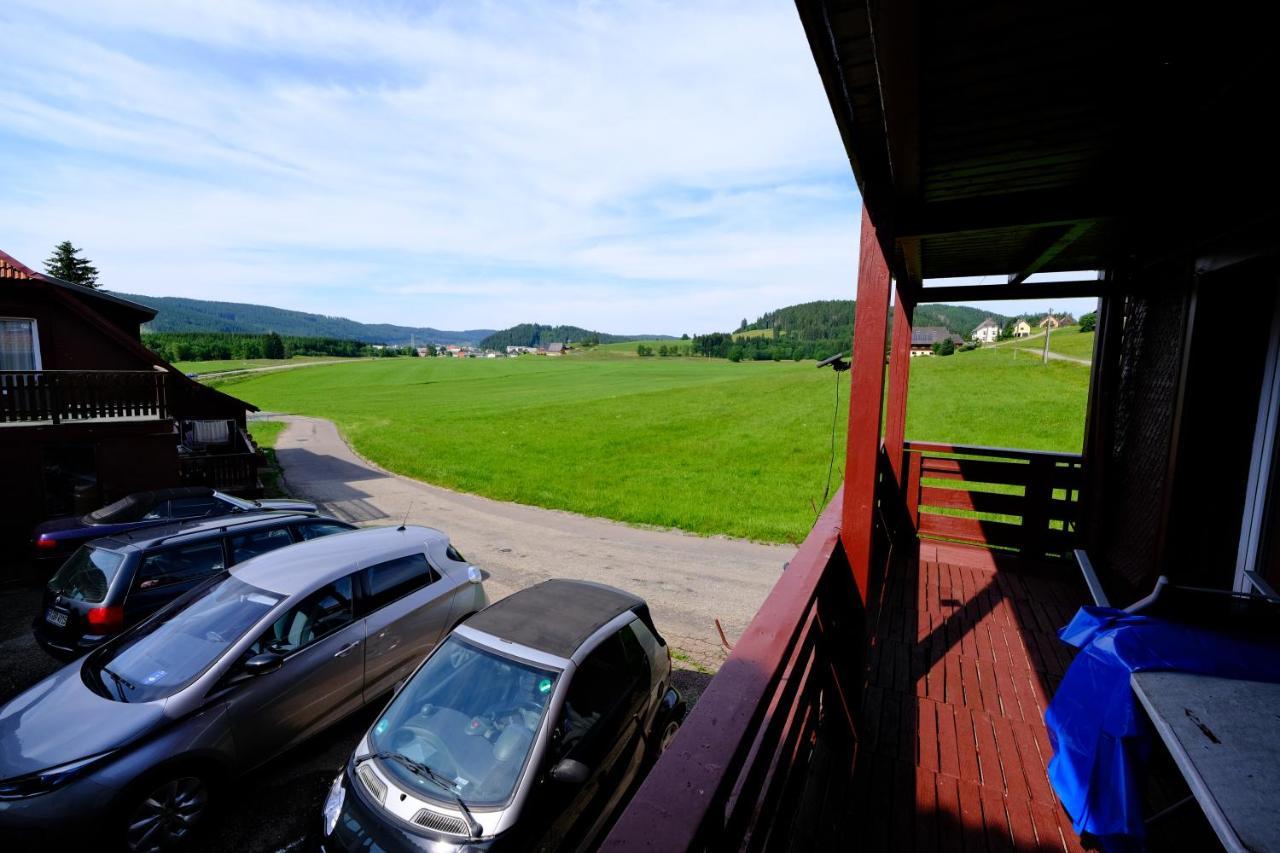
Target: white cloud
x=649, y=166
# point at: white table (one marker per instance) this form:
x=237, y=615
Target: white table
x=1224, y=735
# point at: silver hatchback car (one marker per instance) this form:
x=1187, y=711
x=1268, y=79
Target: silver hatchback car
x=135, y=735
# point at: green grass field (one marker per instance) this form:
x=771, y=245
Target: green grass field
x=265, y=433
x=246, y=363
x=704, y=445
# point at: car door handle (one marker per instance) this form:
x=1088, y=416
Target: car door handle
x=345, y=649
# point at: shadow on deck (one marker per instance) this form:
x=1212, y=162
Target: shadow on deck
x=963, y=656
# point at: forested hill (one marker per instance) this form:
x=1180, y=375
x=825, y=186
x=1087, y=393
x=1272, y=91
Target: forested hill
x=535, y=334
x=832, y=319
x=179, y=314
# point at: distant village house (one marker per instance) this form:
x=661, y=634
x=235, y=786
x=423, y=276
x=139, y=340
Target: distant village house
x=1022, y=329
x=988, y=331
x=1052, y=322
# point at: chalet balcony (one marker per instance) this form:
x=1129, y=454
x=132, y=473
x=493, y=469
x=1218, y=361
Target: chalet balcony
x=54, y=397
x=908, y=718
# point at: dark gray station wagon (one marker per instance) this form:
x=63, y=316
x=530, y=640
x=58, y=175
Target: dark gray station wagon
x=114, y=582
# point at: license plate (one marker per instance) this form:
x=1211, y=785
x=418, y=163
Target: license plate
x=55, y=617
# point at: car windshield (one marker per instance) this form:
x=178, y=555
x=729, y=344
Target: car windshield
x=166, y=653
x=238, y=503
x=87, y=574
x=471, y=716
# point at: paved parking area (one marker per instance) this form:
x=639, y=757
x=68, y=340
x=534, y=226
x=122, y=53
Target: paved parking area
x=275, y=808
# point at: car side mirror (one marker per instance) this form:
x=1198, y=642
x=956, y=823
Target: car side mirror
x=570, y=771
x=262, y=664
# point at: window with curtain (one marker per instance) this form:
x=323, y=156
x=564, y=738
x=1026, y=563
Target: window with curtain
x=18, y=345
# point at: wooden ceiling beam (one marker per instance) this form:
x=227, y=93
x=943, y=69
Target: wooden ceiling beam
x=1056, y=247
x=1042, y=209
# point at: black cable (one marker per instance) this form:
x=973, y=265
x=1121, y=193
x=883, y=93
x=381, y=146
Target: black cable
x=835, y=419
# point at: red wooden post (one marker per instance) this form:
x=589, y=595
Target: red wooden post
x=913, y=488
x=895, y=419
x=866, y=396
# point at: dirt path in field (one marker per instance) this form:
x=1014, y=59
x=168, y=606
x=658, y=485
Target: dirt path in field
x=689, y=581
x=219, y=374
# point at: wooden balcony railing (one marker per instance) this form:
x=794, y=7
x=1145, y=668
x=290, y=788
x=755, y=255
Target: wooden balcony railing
x=230, y=472
x=1023, y=501
x=773, y=737
x=38, y=397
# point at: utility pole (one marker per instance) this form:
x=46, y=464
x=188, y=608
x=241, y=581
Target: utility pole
x=1048, y=327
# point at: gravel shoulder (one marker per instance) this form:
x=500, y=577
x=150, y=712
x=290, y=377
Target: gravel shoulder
x=689, y=581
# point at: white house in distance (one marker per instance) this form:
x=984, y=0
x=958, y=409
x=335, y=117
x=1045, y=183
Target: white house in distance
x=988, y=331
x=1022, y=329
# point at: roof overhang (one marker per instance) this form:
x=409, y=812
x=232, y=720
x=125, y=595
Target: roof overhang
x=1009, y=138
x=13, y=269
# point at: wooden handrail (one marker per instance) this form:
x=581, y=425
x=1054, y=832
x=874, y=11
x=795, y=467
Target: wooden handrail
x=738, y=762
x=982, y=450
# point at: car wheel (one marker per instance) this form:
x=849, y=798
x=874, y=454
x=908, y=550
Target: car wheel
x=166, y=814
x=668, y=735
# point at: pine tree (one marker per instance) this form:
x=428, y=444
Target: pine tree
x=64, y=264
x=272, y=346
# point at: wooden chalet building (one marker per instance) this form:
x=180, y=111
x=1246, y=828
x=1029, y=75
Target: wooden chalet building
x=924, y=337
x=88, y=414
x=890, y=693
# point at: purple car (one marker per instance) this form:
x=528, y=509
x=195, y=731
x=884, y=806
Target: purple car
x=58, y=538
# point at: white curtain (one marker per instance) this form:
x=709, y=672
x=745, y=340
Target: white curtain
x=17, y=345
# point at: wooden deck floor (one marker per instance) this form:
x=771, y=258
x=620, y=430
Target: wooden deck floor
x=963, y=659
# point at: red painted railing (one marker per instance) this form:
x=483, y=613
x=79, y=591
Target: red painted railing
x=58, y=396
x=1023, y=501
x=774, y=732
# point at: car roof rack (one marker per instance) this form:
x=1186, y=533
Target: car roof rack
x=223, y=528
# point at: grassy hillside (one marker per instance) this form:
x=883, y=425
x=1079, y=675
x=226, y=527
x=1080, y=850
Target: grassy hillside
x=704, y=445
x=535, y=334
x=1068, y=340
x=178, y=314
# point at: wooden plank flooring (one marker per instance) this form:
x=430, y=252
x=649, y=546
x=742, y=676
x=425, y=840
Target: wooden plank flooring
x=963, y=658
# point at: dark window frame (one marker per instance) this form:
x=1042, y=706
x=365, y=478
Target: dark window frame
x=230, y=536
x=138, y=578
x=370, y=603
x=297, y=527
x=354, y=610
x=212, y=500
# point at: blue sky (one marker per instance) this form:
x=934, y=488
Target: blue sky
x=628, y=167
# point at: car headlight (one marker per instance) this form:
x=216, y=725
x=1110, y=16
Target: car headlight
x=333, y=804
x=35, y=784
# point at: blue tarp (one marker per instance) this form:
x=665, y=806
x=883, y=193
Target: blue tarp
x=1100, y=735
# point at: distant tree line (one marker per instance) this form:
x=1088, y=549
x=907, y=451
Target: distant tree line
x=218, y=346
x=538, y=335
x=832, y=320
x=775, y=347
x=664, y=350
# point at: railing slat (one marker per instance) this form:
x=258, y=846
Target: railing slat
x=54, y=396
x=973, y=500
x=972, y=530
